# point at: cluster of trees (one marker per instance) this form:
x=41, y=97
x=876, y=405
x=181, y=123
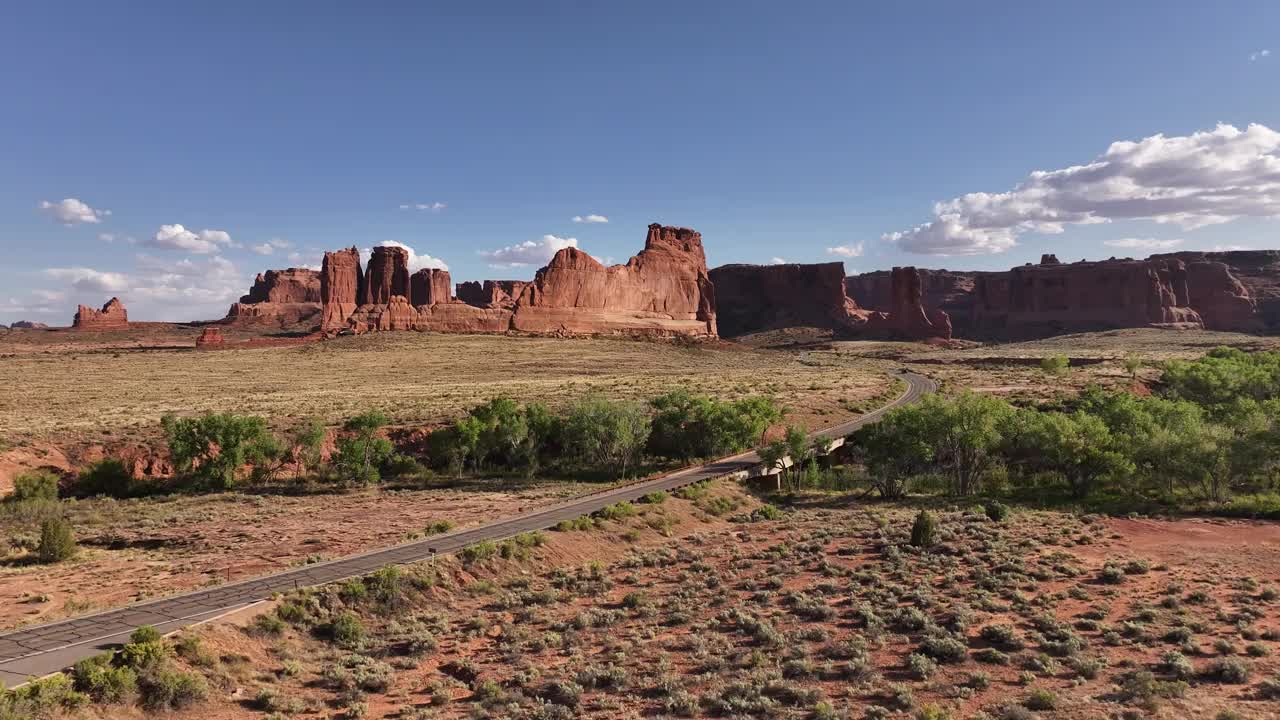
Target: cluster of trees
x=596, y=433
x=1210, y=433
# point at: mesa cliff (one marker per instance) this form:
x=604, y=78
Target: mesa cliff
x=1176, y=290
x=664, y=290
x=112, y=316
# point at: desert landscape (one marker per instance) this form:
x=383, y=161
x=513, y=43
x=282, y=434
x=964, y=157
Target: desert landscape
x=559, y=360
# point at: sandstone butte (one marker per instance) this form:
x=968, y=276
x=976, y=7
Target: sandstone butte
x=665, y=290
x=112, y=316
x=280, y=296
x=753, y=298
x=1179, y=290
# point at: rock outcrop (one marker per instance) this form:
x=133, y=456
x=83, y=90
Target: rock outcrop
x=945, y=290
x=28, y=325
x=211, y=337
x=387, y=276
x=1039, y=300
x=1220, y=300
x=112, y=316
x=341, y=280
x=430, y=286
x=284, y=297
x=752, y=298
x=907, y=317
x=491, y=293
x=664, y=290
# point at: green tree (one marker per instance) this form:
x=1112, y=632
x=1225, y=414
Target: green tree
x=307, y=440
x=601, y=432
x=965, y=432
x=108, y=476
x=1077, y=445
x=212, y=448
x=362, y=451
x=896, y=449
x=503, y=431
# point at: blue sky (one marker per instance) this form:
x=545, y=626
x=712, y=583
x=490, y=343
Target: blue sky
x=779, y=130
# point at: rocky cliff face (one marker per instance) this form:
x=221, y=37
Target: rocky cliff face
x=1038, y=300
x=663, y=290
x=491, y=293
x=430, y=286
x=211, y=337
x=945, y=290
x=386, y=277
x=907, y=317
x=112, y=316
x=285, y=297
x=28, y=325
x=341, y=280
x=751, y=298
x=1257, y=272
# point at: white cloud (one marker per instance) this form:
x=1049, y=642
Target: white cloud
x=416, y=262
x=848, y=251
x=177, y=237
x=1143, y=243
x=210, y=282
x=432, y=206
x=89, y=280
x=777, y=261
x=73, y=212
x=590, y=219
x=271, y=246
x=1205, y=178
x=1255, y=56
x=529, y=252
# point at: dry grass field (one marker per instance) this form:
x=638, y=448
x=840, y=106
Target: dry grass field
x=111, y=391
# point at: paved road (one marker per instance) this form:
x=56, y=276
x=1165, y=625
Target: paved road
x=42, y=649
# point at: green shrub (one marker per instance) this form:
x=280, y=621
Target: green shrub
x=1041, y=699
x=345, y=630
x=96, y=677
x=996, y=510
x=657, y=497
x=35, y=485
x=267, y=625
x=617, y=511
x=107, y=477
x=1055, y=364
x=923, y=530
x=57, y=541
x=478, y=552
x=170, y=689
x=1226, y=670
x=438, y=527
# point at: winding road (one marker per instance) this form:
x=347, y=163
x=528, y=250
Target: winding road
x=42, y=649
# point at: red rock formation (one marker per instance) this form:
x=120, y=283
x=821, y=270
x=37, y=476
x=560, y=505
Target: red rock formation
x=452, y=317
x=1047, y=299
x=1222, y=300
x=340, y=284
x=663, y=290
x=387, y=275
x=28, y=325
x=493, y=293
x=1257, y=271
x=944, y=290
x=430, y=286
x=210, y=337
x=907, y=317
x=293, y=285
x=751, y=298
x=112, y=316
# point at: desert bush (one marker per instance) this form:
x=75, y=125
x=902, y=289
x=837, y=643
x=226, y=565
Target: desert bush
x=57, y=541
x=478, y=552
x=996, y=510
x=35, y=485
x=107, y=477
x=438, y=527
x=345, y=630
x=1226, y=670
x=99, y=679
x=171, y=689
x=923, y=530
x=1055, y=364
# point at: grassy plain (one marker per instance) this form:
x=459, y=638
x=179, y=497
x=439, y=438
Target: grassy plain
x=114, y=392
